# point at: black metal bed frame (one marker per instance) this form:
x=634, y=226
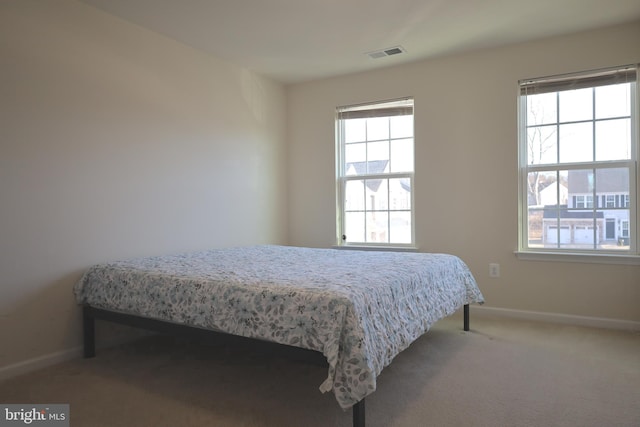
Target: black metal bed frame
x=90, y=314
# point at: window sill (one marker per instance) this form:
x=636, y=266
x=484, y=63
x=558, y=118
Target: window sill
x=579, y=257
x=377, y=248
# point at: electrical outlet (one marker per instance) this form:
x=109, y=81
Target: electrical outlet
x=494, y=270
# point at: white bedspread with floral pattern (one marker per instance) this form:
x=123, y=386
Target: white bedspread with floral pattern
x=359, y=308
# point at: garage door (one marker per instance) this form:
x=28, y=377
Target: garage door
x=552, y=235
x=583, y=235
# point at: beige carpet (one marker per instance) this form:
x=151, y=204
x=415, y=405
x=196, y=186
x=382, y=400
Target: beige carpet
x=502, y=373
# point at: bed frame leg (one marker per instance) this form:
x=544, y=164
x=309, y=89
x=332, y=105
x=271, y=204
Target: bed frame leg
x=466, y=317
x=89, y=333
x=358, y=414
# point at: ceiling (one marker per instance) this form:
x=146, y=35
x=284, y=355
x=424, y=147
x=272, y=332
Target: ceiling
x=299, y=40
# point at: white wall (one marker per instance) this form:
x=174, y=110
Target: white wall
x=466, y=160
x=118, y=142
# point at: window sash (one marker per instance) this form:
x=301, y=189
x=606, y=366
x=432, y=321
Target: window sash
x=366, y=209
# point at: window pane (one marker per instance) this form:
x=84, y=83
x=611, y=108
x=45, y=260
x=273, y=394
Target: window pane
x=400, y=231
x=563, y=188
x=552, y=231
x=547, y=220
x=534, y=226
x=576, y=142
x=377, y=128
x=542, y=145
x=545, y=190
x=542, y=109
x=401, y=126
x=536, y=182
x=377, y=194
x=402, y=155
x=611, y=182
x=399, y=193
x=580, y=184
x=355, y=130
x=581, y=219
x=354, y=197
x=613, y=139
x=355, y=156
x=354, y=226
x=576, y=105
x=378, y=151
x=613, y=101
x=377, y=227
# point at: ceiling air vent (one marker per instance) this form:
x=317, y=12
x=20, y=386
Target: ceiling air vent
x=386, y=52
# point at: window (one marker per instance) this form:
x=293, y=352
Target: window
x=625, y=228
x=610, y=201
x=375, y=174
x=578, y=150
x=583, y=201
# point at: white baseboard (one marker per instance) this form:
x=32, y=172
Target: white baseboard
x=51, y=359
x=36, y=363
x=567, y=319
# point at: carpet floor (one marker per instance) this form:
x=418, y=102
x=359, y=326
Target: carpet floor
x=501, y=373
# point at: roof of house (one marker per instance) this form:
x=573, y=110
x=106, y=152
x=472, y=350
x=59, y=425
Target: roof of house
x=611, y=180
x=552, y=212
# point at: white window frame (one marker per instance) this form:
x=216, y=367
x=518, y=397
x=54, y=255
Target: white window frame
x=372, y=109
x=624, y=225
x=584, y=201
x=555, y=84
x=610, y=201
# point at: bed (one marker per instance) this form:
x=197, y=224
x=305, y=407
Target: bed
x=359, y=309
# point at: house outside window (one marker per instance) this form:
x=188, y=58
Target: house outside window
x=375, y=174
x=578, y=149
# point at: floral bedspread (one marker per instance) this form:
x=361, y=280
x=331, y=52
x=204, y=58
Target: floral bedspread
x=359, y=308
